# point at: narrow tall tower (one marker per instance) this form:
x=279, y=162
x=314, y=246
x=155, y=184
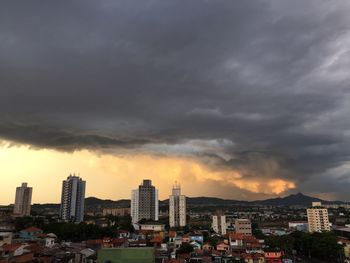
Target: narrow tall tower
x=73, y=199
x=177, y=207
x=23, y=200
x=144, y=202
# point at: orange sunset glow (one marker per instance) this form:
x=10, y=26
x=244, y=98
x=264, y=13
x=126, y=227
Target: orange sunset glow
x=112, y=177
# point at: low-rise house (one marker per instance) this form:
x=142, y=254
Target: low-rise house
x=87, y=255
x=30, y=233
x=123, y=234
x=252, y=245
x=196, y=237
x=207, y=246
x=15, y=253
x=172, y=236
x=107, y=242
x=178, y=241
x=196, y=245
x=253, y=258
x=186, y=238
x=222, y=246
x=273, y=256
x=298, y=225
x=236, y=240
x=48, y=240
x=138, y=243
x=5, y=238
x=273, y=231
x=9, y=251
x=153, y=226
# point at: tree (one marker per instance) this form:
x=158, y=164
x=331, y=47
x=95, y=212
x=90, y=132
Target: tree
x=315, y=246
x=185, y=248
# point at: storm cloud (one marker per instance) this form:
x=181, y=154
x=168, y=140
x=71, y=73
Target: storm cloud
x=258, y=87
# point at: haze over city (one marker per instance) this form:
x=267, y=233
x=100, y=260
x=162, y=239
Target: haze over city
x=236, y=99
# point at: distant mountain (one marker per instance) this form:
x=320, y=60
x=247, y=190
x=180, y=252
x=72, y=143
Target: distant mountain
x=90, y=203
x=96, y=202
x=294, y=199
x=298, y=199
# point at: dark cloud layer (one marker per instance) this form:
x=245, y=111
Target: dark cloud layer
x=260, y=87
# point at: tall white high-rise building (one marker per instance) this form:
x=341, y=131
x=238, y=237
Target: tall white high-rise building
x=73, y=199
x=144, y=202
x=219, y=224
x=177, y=208
x=317, y=218
x=23, y=200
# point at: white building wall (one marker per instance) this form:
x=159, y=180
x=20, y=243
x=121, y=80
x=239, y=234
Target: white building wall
x=223, y=225
x=177, y=208
x=156, y=217
x=73, y=199
x=135, y=205
x=23, y=200
x=182, y=210
x=172, y=211
x=219, y=224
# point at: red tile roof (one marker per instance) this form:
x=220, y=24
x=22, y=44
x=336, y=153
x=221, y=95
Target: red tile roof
x=11, y=248
x=32, y=229
x=236, y=236
x=157, y=239
x=172, y=233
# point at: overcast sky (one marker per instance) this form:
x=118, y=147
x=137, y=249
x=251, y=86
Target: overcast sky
x=256, y=88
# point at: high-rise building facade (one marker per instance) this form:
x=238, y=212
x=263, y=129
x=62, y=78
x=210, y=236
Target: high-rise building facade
x=144, y=202
x=219, y=224
x=177, y=208
x=73, y=199
x=23, y=200
x=317, y=218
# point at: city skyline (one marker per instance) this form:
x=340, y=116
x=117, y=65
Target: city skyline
x=175, y=131
x=297, y=198
x=243, y=100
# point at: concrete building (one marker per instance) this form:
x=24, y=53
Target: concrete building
x=116, y=211
x=177, y=208
x=219, y=224
x=23, y=200
x=144, y=202
x=152, y=226
x=317, y=218
x=243, y=226
x=298, y=225
x=73, y=199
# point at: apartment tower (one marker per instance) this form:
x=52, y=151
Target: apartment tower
x=144, y=202
x=23, y=200
x=317, y=218
x=219, y=224
x=177, y=208
x=73, y=199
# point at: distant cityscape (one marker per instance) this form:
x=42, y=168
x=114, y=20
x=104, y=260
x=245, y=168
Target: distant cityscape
x=171, y=232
